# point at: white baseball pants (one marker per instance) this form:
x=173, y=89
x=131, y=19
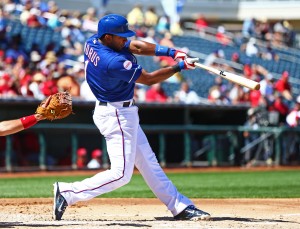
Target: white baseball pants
x=127, y=147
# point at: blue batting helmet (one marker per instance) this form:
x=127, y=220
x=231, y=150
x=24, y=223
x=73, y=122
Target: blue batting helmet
x=114, y=24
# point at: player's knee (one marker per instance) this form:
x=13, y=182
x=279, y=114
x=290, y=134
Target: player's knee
x=123, y=176
x=125, y=179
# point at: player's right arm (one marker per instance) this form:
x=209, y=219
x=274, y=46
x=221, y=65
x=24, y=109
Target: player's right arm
x=149, y=78
x=16, y=125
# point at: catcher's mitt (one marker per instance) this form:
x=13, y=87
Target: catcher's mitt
x=56, y=106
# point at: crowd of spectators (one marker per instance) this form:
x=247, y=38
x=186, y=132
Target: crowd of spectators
x=42, y=71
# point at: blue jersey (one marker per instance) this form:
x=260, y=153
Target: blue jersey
x=111, y=75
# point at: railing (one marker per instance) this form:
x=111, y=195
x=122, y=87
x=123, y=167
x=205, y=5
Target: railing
x=161, y=130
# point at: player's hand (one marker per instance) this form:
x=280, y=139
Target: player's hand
x=44, y=105
x=188, y=63
x=177, y=54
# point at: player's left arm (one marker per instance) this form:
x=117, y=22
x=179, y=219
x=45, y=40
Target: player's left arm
x=148, y=49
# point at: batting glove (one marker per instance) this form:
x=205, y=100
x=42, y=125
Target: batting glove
x=188, y=63
x=177, y=54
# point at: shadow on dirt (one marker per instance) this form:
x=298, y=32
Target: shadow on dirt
x=29, y=225
x=125, y=225
x=250, y=220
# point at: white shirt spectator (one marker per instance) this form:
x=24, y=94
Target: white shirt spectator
x=292, y=118
x=94, y=164
x=185, y=95
x=86, y=92
x=251, y=49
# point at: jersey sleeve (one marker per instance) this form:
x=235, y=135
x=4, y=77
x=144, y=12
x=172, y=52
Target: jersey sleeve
x=126, y=46
x=124, y=70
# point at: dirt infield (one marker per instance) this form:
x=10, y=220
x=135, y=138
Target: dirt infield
x=150, y=213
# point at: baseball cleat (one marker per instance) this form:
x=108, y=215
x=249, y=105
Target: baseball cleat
x=59, y=203
x=192, y=213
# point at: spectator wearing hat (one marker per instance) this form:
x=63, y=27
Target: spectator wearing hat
x=211, y=59
x=222, y=37
x=280, y=106
x=35, y=86
x=283, y=86
x=291, y=140
x=267, y=88
x=156, y=94
x=201, y=24
x=251, y=48
x=6, y=86
x=151, y=17
x=186, y=95
x=96, y=161
x=293, y=117
x=235, y=57
x=81, y=158
x=90, y=20
x=68, y=83
x=135, y=16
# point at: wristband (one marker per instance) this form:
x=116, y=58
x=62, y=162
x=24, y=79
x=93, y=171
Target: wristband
x=162, y=50
x=28, y=121
x=181, y=65
x=176, y=68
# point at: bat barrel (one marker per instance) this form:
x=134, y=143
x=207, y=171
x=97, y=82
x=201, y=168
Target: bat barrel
x=251, y=84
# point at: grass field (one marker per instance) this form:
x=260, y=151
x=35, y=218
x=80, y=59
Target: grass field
x=246, y=184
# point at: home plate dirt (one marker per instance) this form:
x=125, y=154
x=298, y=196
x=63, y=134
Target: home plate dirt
x=150, y=213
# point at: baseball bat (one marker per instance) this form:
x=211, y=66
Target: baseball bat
x=251, y=84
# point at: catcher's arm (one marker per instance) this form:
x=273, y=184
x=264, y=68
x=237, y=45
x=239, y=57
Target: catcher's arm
x=13, y=126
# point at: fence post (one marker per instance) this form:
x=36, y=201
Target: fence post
x=8, y=152
x=277, y=147
x=162, y=147
x=74, y=146
x=212, y=161
x=42, y=156
x=187, y=149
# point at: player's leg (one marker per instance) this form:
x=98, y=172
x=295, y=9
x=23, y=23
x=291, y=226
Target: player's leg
x=146, y=162
x=119, y=127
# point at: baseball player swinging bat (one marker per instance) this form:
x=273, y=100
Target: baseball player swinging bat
x=251, y=84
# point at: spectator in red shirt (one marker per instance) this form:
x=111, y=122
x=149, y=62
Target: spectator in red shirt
x=156, y=94
x=255, y=98
x=281, y=107
x=81, y=158
x=222, y=37
x=283, y=86
x=201, y=24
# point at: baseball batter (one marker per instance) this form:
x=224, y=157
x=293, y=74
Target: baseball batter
x=111, y=72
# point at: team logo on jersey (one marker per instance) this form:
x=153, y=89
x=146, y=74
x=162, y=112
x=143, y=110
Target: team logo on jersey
x=127, y=64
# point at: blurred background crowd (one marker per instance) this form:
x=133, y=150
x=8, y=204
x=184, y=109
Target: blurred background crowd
x=41, y=53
